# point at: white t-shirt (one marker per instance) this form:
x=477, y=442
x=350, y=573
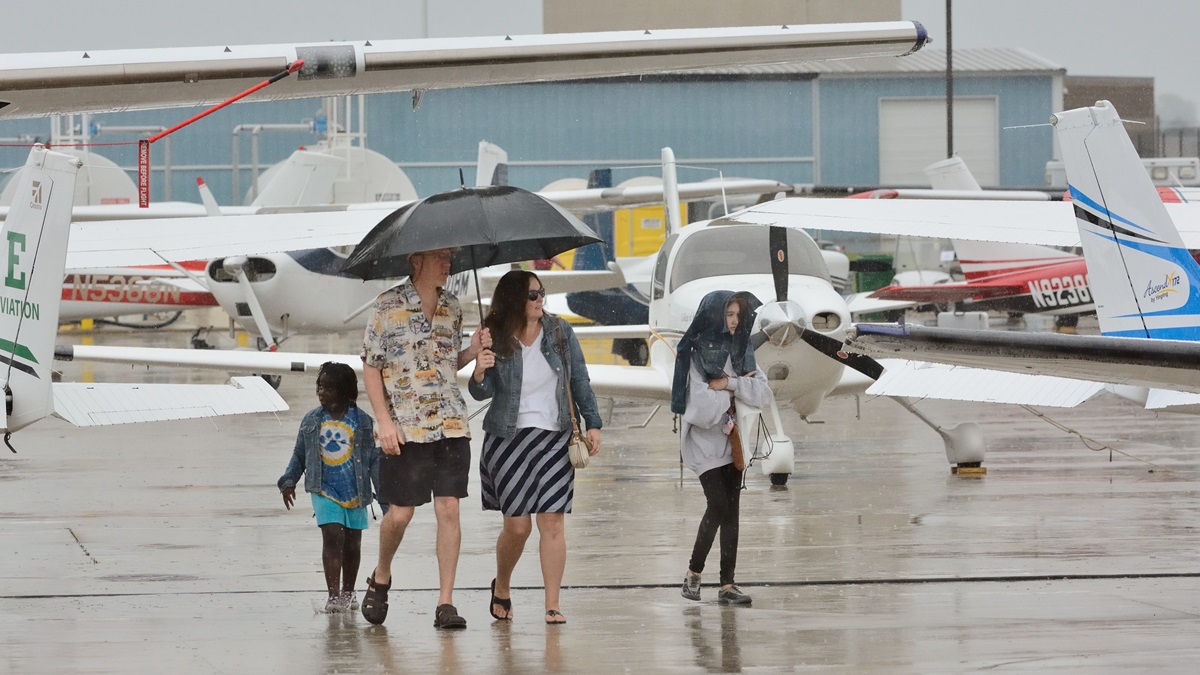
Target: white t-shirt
x=539, y=389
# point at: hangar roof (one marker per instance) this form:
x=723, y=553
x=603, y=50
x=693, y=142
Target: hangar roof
x=998, y=60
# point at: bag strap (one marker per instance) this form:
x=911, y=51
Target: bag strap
x=562, y=352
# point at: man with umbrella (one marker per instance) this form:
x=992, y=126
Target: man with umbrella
x=411, y=355
x=413, y=351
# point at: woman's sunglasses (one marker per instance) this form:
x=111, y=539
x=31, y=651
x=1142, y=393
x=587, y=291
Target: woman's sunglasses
x=534, y=295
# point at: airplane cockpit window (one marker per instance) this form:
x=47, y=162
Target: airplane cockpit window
x=659, y=282
x=721, y=251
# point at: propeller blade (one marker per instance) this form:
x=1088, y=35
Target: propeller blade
x=779, y=261
x=836, y=350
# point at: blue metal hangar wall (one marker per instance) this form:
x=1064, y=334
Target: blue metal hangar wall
x=856, y=123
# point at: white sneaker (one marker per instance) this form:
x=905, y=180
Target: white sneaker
x=337, y=604
x=691, y=586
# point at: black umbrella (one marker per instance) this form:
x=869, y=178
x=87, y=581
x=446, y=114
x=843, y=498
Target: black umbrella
x=488, y=225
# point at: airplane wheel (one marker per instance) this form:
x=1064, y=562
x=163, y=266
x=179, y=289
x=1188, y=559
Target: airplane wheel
x=634, y=350
x=273, y=380
x=779, y=478
x=641, y=353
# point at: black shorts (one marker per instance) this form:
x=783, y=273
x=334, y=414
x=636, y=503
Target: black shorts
x=425, y=470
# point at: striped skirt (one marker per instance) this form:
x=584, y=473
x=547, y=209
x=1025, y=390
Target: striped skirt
x=528, y=473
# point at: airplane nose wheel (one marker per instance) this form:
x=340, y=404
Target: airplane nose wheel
x=273, y=380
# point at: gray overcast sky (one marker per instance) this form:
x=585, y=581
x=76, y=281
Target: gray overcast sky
x=1150, y=38
x=65, y=25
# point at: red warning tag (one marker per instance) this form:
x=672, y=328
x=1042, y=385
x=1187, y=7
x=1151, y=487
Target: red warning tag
x=144, y=174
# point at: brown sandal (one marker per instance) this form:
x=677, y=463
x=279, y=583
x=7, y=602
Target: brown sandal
x=446, y=618
x=374, y=604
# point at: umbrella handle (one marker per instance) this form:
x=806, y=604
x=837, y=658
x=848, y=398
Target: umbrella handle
x=478, y=297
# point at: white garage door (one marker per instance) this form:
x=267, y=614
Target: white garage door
x=912, y=135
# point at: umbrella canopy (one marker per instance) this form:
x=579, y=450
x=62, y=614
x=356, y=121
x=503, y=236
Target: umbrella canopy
x=488, y=225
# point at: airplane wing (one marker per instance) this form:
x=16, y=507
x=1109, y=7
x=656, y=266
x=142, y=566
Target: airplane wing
x=86, y=405
x=606, y=199
x=238, y=361
x=865, y=303
x=630, y=381
x=40, y=84
x=153, y=241
x=1145, y=362
x=1043, y=223
x=914, y=379
x=940, y=293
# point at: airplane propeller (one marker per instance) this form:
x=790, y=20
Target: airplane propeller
x=781, y=327
x=777, y=238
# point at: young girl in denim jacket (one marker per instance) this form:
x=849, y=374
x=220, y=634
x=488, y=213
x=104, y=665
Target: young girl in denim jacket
x=335, y=451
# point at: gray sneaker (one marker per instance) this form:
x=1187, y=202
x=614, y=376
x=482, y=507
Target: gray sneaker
x=691, y=586
x=350, y=599
x=732, y=596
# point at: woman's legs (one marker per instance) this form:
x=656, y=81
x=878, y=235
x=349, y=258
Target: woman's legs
x=333, y=537
x=509, y=547
x=552, y=541
x=729, y=526
x=351, y=556
x=715, y=515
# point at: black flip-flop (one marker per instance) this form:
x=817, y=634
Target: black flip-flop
x=374, y=603
x=505, y=604
x=553, y=614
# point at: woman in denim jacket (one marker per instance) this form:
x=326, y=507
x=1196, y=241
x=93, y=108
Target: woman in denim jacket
x=524, y=467
x=335, y=451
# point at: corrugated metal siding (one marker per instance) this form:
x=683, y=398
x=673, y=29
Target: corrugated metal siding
x=597, y=122
x=849, y=123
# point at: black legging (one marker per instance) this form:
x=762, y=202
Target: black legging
x=723, y=489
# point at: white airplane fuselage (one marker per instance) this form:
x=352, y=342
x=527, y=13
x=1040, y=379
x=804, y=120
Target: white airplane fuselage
x=797, y=373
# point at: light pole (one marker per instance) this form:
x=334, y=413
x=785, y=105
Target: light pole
x=949, y=84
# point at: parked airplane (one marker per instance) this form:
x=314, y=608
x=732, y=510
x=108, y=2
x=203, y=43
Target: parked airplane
x=35, y=234
x=798, y=376
x=1146, y=285
x=271, y=295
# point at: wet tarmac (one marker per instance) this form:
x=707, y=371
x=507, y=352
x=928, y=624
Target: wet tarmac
x=166, y=548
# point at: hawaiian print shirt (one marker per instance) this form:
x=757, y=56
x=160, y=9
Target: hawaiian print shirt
x=418, y=359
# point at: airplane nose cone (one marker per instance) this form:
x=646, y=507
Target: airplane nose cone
x=780, y=322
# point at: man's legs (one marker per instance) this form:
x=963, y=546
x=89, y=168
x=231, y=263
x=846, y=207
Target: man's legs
x=391, y=533
x=449, y=541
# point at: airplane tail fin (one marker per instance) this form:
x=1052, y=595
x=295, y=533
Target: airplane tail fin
x=35, y=236
x=597, y=256
x=492, y=166
x=1144, y=281
x=671, y=192
x=951, y=174
x=983, y=260
x=306, y=178
x=211, y=207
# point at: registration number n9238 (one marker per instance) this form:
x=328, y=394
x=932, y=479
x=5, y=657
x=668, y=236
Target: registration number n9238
x=1065, y=291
